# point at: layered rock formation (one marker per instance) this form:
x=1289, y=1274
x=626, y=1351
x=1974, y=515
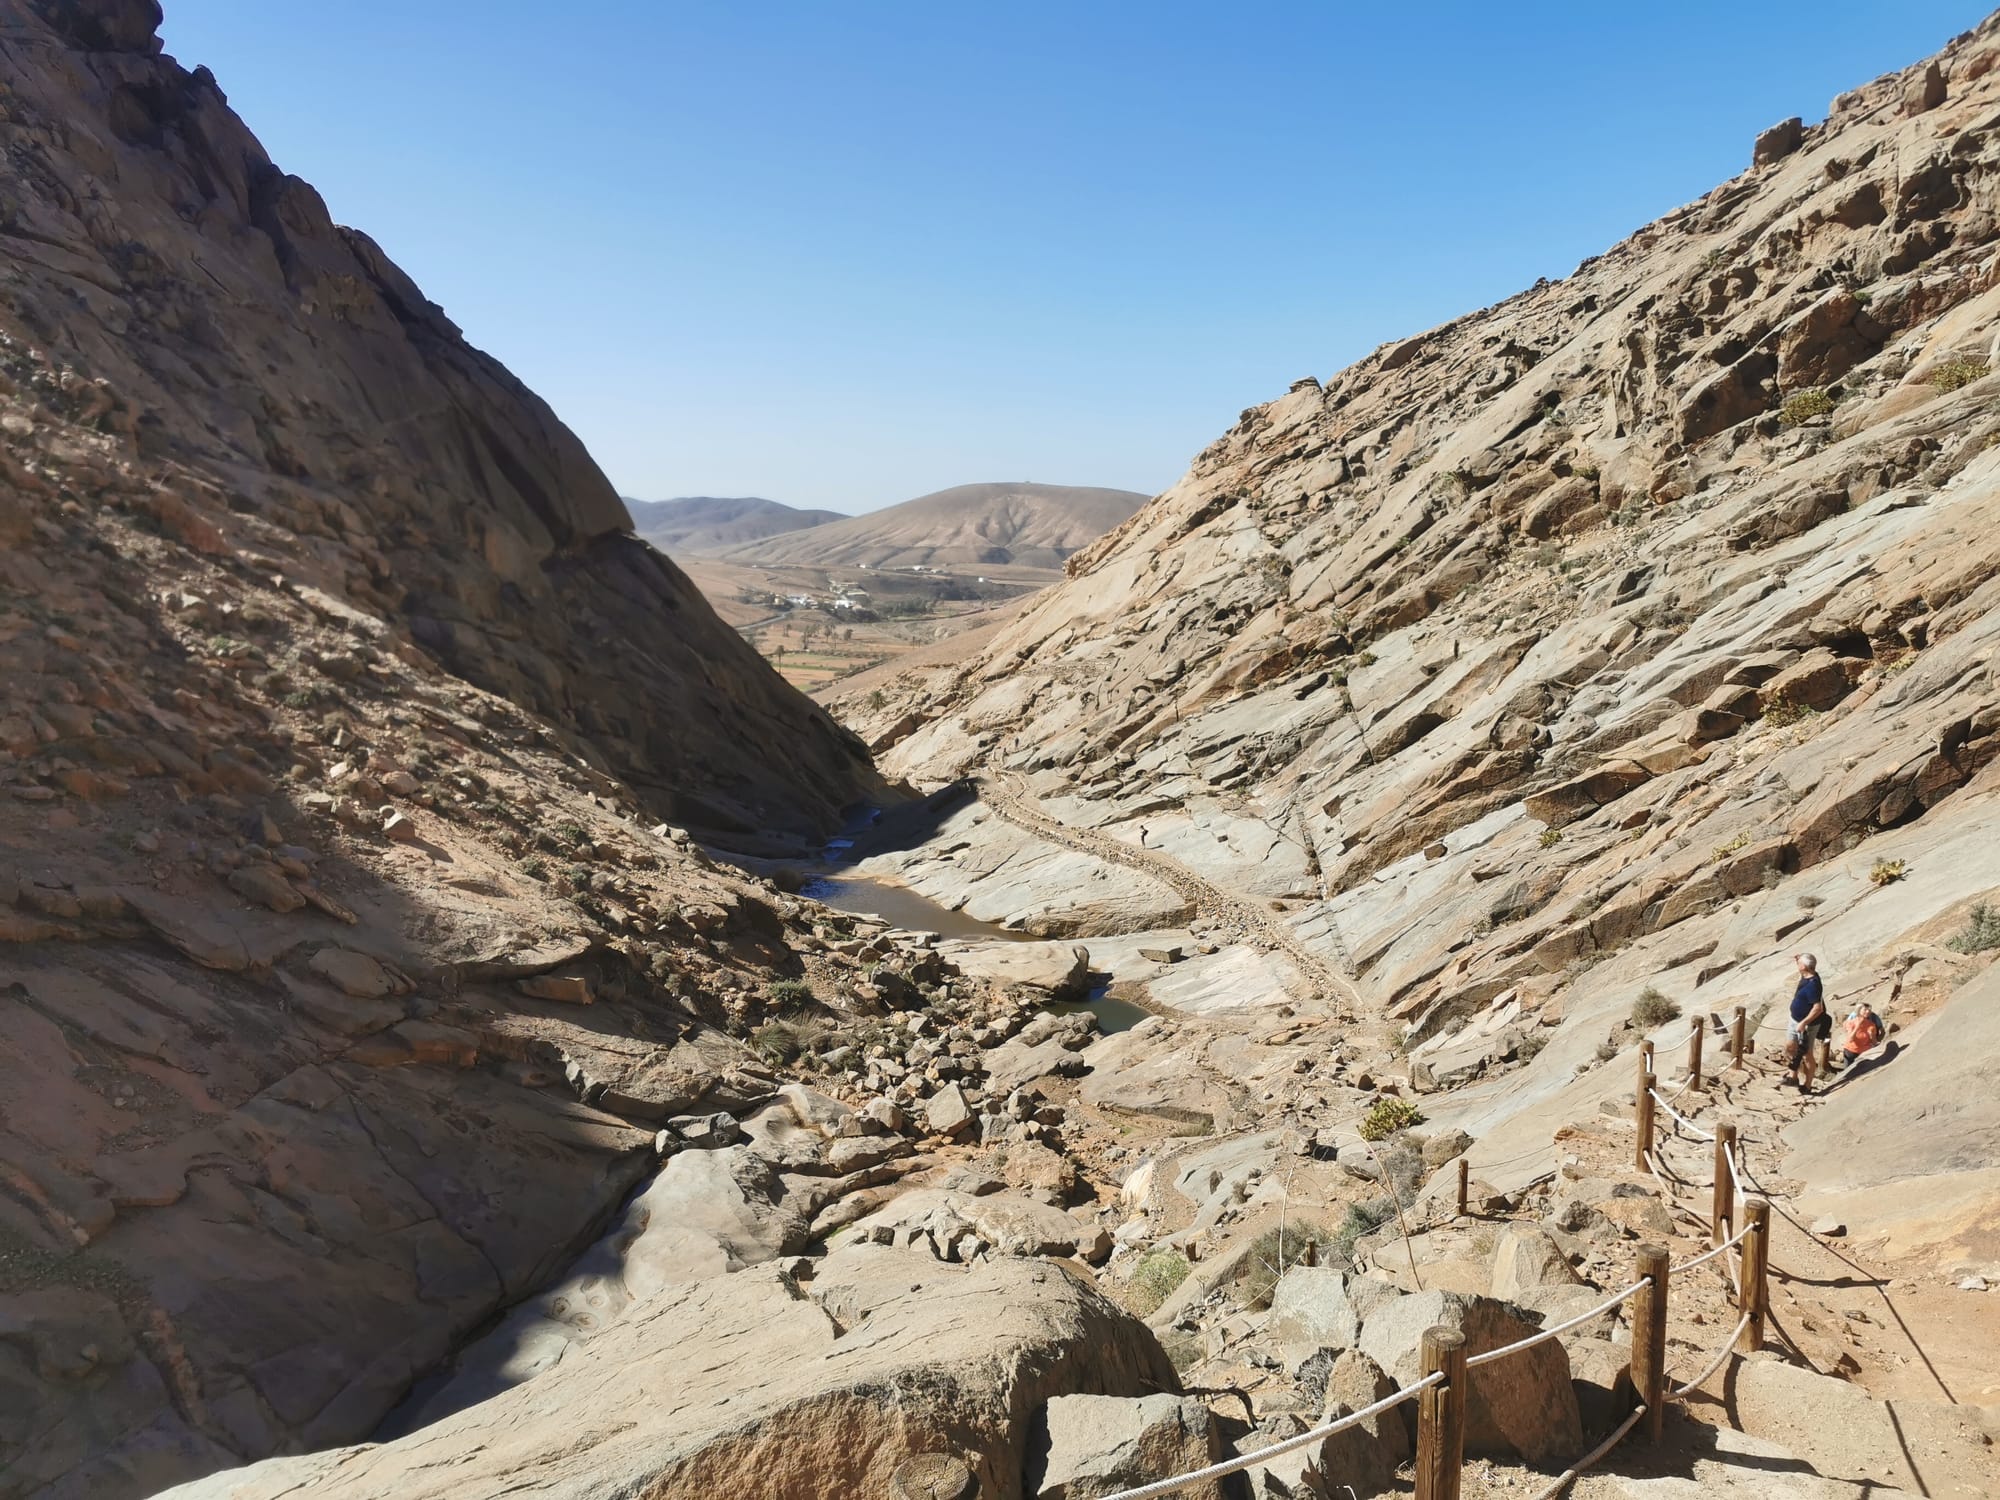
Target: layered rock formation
x=349, y=973
x=800, y=1390
x=175, y=292
x=1556, y=628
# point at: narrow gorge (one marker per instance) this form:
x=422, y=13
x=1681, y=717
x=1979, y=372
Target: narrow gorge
x=471, y=1028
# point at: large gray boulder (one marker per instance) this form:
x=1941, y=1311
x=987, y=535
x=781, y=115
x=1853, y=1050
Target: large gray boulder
x=1526, y=1258
x=1098, y=1445
x=1315, y=1308
x=1521, y=1405
x=754, y=1384
x=1363, y=1457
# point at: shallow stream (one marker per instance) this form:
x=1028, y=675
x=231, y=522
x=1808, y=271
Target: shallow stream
x=905, y=909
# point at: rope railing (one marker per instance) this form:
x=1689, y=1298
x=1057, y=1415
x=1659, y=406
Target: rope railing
x=1709, y=1255
x=1693, y=1129
x=1491, y=1355
x=1728, y=1348
x=1569, y=1476
x=1277, y=1450
x=1442, y=1392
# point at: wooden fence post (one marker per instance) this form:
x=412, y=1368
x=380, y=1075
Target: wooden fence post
x=1464, y=1182
x=1649, y=1337
x=1722, y=1213
x=1756, y=1268
x=1643, y=1105
x=1441, y=1416
x=1737, y=1028
x=1694, y=1058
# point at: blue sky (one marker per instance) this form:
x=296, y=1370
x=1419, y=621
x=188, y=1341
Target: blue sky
x=844, y=254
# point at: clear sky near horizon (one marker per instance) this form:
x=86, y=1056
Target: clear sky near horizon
x=842, y=255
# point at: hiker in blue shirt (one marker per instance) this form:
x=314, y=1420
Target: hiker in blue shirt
x=1810, y=1024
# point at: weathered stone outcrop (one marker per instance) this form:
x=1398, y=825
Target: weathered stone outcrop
x=789, y=1397
x=274, y=388
x=1535, y=637
x=351, y=972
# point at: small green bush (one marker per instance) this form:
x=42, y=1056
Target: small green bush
x=1803, y=406
x=1155, y=1278
x=1361, y=1219
x=1782, y=711
x=791, y=994
x=1387, y=1117
x=1956, y=373
x=776, y=1043
x=1653, y=1009
x=1980, y=933
x=1550, y=838
x=1888, y=871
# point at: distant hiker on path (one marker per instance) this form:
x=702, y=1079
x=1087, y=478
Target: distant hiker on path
x=1810, y=1024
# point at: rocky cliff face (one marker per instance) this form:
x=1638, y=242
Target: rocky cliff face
x=171, y=288
x=1537, y=635
x=348, y=970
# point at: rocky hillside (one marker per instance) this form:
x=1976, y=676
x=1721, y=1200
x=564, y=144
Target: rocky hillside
x=1541, y=633
x=1629, y=636
x=701, y=524
x=1025, y=525
x=354, y=959
x=236, y=352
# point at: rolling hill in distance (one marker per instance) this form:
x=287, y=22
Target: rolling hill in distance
x=969, y=525
x=705, y=524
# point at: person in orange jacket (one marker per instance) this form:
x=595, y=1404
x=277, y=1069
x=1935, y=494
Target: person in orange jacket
x=1863, y=1030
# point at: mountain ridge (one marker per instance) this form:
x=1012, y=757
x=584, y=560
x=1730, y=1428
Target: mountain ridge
x=703, y=524
x=1020, y=524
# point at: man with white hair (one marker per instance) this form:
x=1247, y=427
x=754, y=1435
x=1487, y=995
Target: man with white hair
x=1810, y=1023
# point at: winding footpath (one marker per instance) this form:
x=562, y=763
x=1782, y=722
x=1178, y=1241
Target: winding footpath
x=1002, y=791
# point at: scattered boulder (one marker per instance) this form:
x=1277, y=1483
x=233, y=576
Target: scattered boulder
x=786, y=1398
x=1521, y=1405
x=1526, y=1257
x=1925, y=92
x=1317, y=1308
x=1778, y=142
x=265, y=885
x=1097, y=1445
x=352, y=973
x=565, y=989
x=947, y=1113
x=1443, y=1146
x=1363, y=1457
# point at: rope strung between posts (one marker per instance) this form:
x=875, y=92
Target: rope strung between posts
x=1673, y=1203
x=1708, y=1255
x=1694, y=1130
x=1474, y=1361
x=1289, y=1445
x=1568, y=1476
x=1688, y=1081
x=1728, y=1348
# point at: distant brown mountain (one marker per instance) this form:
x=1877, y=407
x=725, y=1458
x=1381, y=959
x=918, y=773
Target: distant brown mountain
x=700, y=525
x=1022, y=525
